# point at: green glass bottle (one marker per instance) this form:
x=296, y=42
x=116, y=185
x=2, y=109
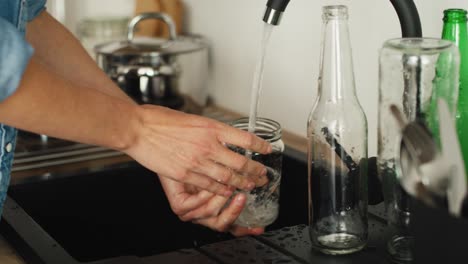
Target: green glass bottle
x=455, y=30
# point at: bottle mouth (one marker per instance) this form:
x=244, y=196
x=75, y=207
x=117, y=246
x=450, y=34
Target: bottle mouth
x=335, y=12
x=418, y=46
x=455, y=15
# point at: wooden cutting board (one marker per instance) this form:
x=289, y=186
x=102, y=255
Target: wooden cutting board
x=149, y=27
x=175, y=9
x=155, y=28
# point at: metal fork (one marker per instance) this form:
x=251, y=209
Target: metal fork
x=417, y=140
x=424, y=173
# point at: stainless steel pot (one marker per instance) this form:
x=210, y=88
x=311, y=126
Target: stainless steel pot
x=147, y=69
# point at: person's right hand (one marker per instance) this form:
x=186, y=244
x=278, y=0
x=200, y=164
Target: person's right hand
x=192, y=149
x=201, y=207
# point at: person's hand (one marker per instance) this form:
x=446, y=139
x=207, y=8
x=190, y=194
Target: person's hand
x=192, y=149
x=207, y=209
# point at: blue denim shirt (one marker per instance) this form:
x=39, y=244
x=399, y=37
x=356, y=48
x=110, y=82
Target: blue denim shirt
x=15, y=53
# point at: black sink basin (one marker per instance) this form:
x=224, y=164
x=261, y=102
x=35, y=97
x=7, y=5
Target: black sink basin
x=122, y=211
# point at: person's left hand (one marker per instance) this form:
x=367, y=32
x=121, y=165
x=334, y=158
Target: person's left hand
x=207, y=209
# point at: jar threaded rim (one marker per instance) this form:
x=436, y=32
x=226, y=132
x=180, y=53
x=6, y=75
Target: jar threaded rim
x=265, y=128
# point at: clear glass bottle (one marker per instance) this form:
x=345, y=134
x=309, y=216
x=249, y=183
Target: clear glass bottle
x=337, y=151
x=262, y=205
x=414, y=74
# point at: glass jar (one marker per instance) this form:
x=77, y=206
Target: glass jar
x=262, y=206
x=414, y=73
x=98, y=30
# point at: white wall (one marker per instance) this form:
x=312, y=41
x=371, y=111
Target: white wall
x=291, y=69
x=234, y=29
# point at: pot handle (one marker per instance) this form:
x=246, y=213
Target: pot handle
x=154, y=15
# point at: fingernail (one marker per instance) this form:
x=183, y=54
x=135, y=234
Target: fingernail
x=269, y=149
x=250, y=186
x=262, y=181
x=264, y=172
x=240, y=199
x=227, y=193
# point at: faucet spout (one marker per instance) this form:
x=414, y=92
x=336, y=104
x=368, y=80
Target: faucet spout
x=274, y=11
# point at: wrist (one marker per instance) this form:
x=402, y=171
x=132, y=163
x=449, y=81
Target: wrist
x=132, y=122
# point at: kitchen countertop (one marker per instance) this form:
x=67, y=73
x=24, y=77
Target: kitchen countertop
x=8, y=255
x=285, y=245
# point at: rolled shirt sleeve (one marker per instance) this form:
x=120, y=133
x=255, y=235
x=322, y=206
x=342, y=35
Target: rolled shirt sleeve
x=15, y=54
x=35, y=7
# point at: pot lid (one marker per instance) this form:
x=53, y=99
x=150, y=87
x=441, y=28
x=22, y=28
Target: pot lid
x=152, y=46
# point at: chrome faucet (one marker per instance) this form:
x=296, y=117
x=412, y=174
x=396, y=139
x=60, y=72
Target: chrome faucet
x=274, y=11
x=406, y=10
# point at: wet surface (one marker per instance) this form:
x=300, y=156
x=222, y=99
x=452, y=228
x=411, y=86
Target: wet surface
x=191, y=256
x=296, y=241
x=285, y=245
x=246, y=250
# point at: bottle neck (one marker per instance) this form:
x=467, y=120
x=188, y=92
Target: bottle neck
x=336, y=73
x=455, y=32
x=455, y=26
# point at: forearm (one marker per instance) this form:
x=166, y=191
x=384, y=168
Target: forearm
x=48, y=104
x=61, y=52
